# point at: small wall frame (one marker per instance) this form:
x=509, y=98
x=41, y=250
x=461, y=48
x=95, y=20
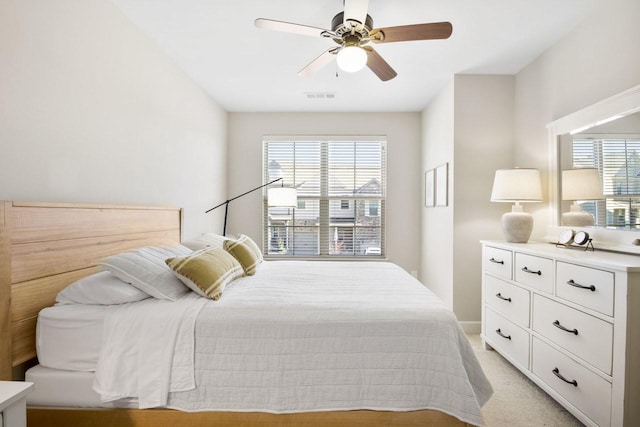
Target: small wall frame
x=430, y=188
x=442, y=185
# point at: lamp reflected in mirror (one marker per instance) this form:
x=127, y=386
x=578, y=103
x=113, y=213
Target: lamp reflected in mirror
x=579, y=185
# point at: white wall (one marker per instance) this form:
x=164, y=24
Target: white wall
x=598, y=59
x=404, y=184
x=469, y=125
x=92, y=112
x=483, y=142
x=437, y=222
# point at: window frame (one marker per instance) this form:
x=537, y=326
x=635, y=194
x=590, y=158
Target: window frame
x=325, y=202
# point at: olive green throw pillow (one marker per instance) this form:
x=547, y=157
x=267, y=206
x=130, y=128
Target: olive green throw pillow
x=246, y=251
x=206, y=272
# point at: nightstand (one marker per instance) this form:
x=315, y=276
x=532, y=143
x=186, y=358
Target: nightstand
x=13, y=403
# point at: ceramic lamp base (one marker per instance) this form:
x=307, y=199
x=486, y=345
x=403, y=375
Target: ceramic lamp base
x=577, y=219
x=517, y=226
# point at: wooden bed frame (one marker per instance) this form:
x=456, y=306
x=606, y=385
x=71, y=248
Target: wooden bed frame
x=44, y=247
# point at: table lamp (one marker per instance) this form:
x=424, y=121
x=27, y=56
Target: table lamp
x=517, y=186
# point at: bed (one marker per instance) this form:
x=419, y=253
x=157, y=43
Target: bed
x=45, y=247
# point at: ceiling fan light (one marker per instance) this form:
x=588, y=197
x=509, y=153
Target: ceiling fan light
x=352, y=59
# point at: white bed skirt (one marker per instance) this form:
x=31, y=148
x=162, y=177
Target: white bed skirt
x=69, y=389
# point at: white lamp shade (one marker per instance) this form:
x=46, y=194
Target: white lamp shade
x=282, y=197
x=352, y=59
x=517, y=185
x=581, y=184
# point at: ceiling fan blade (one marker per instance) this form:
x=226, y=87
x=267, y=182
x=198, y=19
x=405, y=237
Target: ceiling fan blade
x=434, y=30
x=378, y=65
x=355, y=10
x=318, y=63
x=288, y=27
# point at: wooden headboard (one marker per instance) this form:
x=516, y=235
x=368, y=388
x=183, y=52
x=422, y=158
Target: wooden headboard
x=44, y=247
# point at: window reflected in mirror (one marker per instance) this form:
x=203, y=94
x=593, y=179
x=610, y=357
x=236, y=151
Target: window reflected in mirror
x=617, y=158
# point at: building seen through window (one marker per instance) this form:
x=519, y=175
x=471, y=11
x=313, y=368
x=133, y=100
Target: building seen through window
x=341, y=197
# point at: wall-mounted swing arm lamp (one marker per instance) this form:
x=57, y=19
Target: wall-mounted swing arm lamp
x=283, y=197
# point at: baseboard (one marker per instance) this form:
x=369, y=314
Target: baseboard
x=471, y=327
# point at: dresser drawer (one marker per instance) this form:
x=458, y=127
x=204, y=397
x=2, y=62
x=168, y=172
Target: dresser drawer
x=586, y=286
x=511, y=340
x=498, y=261
x=510, y=301
x=585, y=390
x=534, y=271
x=586, y=336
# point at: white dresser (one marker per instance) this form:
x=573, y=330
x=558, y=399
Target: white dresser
x=570, y=321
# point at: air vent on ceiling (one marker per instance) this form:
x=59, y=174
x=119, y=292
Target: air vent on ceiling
x=320, y=95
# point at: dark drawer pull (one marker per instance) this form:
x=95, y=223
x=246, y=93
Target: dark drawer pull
x=556, y=372
x=496, y=261
x=499, y=295
x=499, y=332
x=526, y=270
x=578, y=285
x=559, y=326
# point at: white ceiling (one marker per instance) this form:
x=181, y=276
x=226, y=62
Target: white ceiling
x=249, y=69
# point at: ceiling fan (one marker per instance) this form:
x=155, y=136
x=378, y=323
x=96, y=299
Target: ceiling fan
x=352, y=30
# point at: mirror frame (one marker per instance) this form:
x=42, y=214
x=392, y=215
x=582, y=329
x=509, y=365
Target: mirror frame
x=614, y=107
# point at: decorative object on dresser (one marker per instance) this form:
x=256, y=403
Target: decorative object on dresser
x=517, y=186
x=570, y=321
x=580, y=185
x=568, y=237
x=282, y=197
x=565, y=238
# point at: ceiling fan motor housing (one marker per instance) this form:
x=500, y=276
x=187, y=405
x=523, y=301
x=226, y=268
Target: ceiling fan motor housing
x=340, y=28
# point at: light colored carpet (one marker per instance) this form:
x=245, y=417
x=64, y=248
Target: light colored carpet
x=516, y=400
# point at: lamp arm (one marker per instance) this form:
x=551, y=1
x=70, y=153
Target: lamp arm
x=243, y=194
x=226, y=203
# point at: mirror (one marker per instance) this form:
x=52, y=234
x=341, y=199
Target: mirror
x=605, y=116
x=612, y=149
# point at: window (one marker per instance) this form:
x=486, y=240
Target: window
x=341, y=196
x=617, y=157
x=371, y=207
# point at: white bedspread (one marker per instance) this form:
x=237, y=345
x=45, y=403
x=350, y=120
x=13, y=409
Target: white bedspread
x=324, y=335
x=147, y=350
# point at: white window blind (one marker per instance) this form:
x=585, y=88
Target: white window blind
x=618, y=161
x=341, y=185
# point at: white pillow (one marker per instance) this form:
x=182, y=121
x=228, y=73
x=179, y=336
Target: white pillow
x=100, y=289
x=206, y=240
x=146, y=270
